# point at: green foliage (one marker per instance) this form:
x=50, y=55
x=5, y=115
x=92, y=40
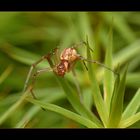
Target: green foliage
x=116, y=108
x=108, y=100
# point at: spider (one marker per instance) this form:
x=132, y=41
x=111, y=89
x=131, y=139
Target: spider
x=61, y=65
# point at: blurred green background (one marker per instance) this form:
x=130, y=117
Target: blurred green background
x=26, y=36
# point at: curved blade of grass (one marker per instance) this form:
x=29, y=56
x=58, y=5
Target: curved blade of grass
x=98, y=100
x=20, y=54
x=108, y=75
x=133, y=106
x=75, y=101
x=117, y=101
x=40, y=93
x=9, y=100
x=65, y=112
x=13, y=108
x=130, y=121
x=35, y=109
x=6, y=73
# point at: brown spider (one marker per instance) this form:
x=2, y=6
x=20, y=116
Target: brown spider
x=64, y=63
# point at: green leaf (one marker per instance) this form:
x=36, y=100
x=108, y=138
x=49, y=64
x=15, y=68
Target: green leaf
x=98, y=100
x=129, y=121
x=117, y=101
x=69, y=114
x=108, y=75
x=133, y=106
x=74, y=99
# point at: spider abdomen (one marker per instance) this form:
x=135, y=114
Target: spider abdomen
x=69, y=54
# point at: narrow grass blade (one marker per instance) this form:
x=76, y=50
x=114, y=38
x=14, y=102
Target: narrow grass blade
x=75, y=101
x=123, y=56
x=13, y=108
x=47, y=97
x=6, y=73
x=133, y=106
x=82, y=120
x=40, y=93
x=98, y=100
x=117, y=101
x=108, y=75
x=130, y=121
x=27, y=117
x=20, y=54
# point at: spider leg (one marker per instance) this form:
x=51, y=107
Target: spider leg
x=96, y=62
x=81, y=44
x=48, y=56
x=85, y=65
x=45, y=57
x=30, y=72
x=34, y=79
x=55, y=53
